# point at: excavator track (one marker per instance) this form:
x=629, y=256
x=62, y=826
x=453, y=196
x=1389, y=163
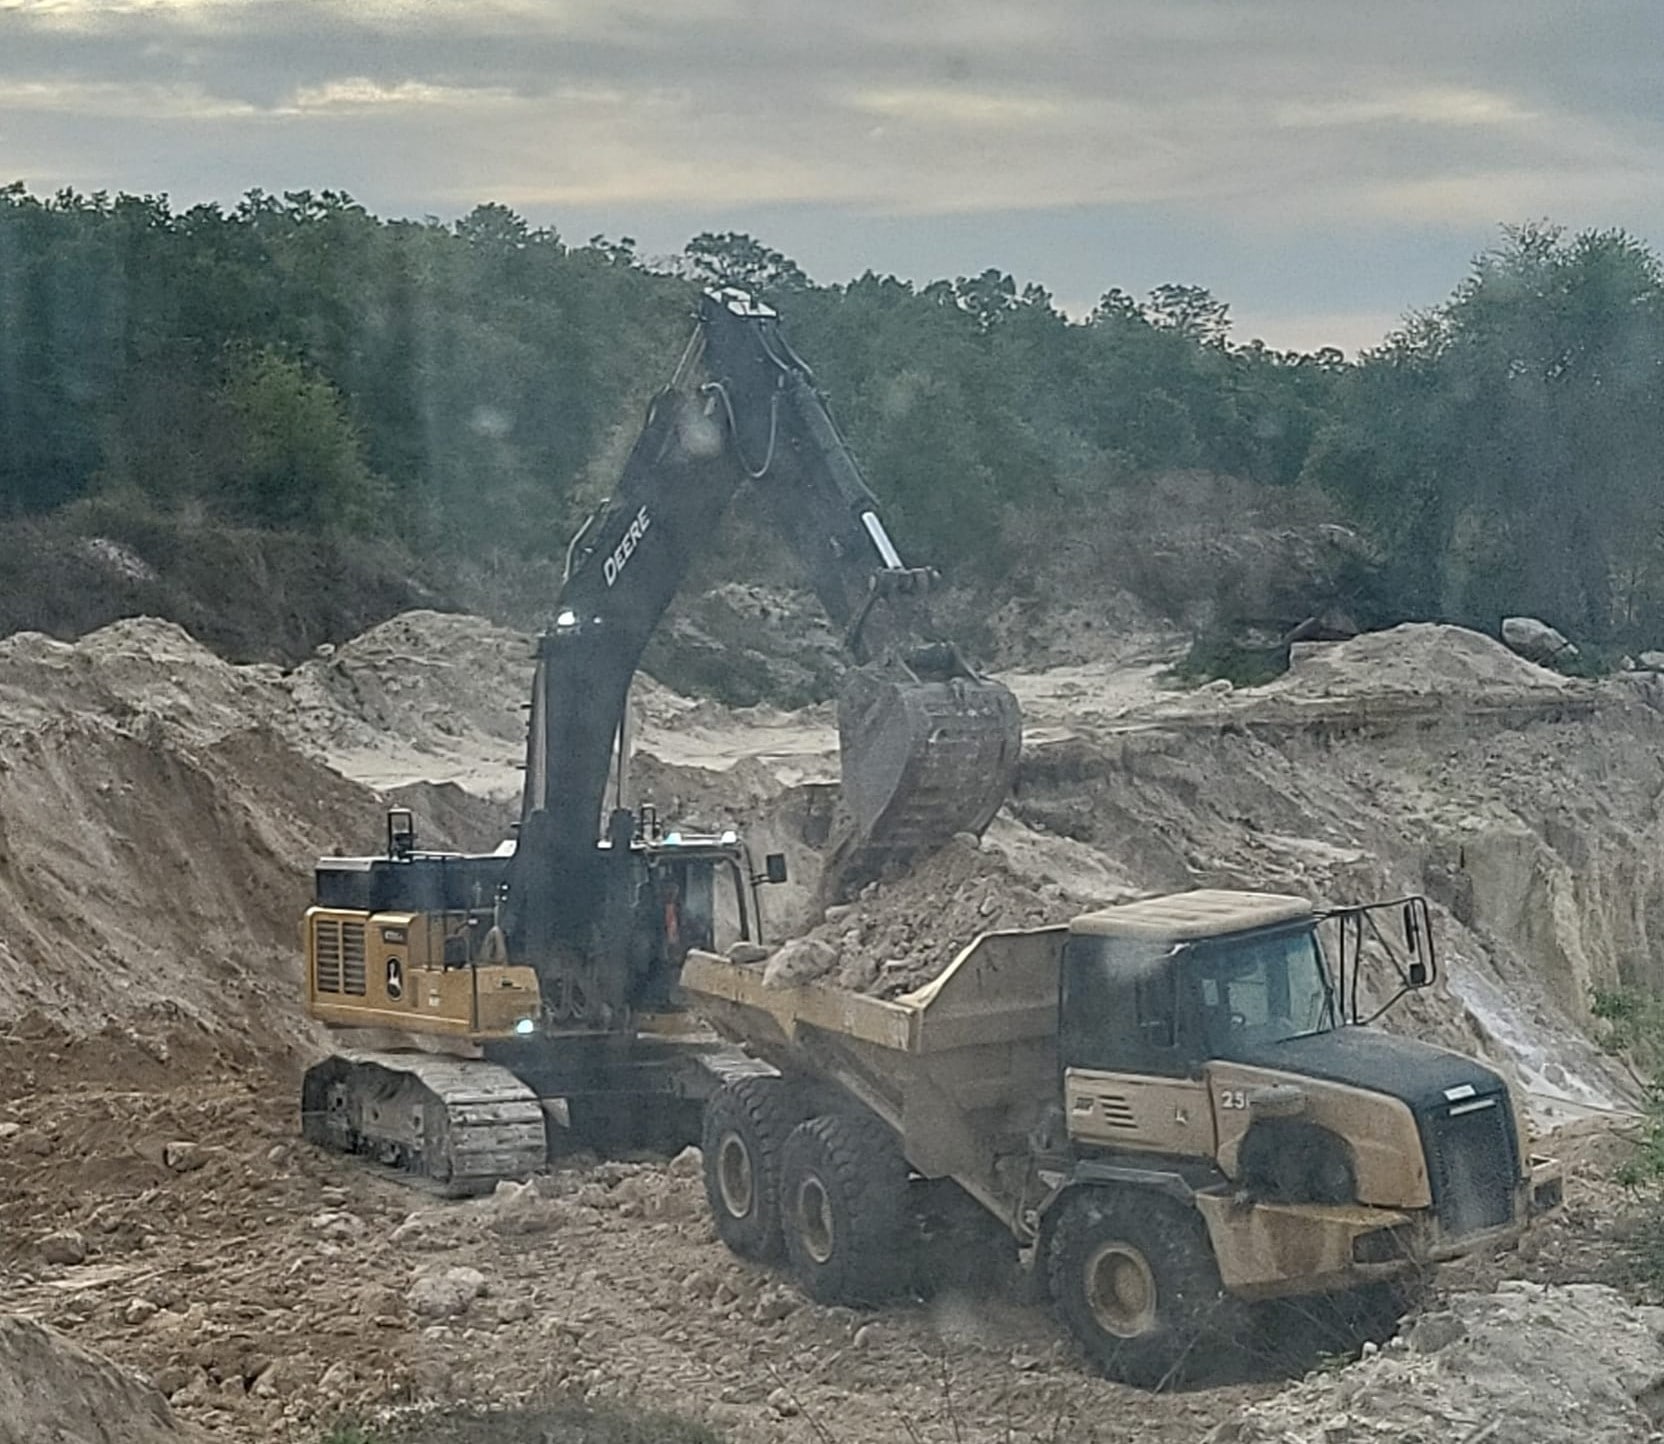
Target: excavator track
x=458, y=1125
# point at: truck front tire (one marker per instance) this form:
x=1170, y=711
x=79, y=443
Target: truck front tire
x=1134, y=1278
x=746, y=1123
x=843, y=1196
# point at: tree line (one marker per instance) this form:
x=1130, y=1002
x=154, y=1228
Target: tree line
x=296, y=363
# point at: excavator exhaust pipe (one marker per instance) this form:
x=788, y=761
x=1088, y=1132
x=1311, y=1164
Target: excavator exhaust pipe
x=922, y=760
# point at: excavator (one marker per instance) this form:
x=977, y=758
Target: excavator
x=487, y=1003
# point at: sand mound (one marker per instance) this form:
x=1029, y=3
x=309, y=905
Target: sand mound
x=902, y=931
x=140, y=667
x=427, y=696
x=900, y=934
x=1419, y=658
x=156, y=838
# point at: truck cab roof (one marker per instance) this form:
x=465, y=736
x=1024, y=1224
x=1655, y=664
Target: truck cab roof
x=1185, y=916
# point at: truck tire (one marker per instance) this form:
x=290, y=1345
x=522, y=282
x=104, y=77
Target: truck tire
x=843, y=1197
x=745, y=1127
x=1134, y=1277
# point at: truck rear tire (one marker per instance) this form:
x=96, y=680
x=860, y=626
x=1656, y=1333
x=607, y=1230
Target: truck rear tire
x=745, y=1127
x=843, y=1198
x=1135, y=1280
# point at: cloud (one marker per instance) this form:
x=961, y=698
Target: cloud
x=1266, y=118
x=1435, y=106
x=359, y=93
x=119, y=101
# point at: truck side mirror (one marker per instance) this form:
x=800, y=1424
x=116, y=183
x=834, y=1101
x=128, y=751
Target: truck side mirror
x=1412, y=929
x=1417, y=974
x=774, y=867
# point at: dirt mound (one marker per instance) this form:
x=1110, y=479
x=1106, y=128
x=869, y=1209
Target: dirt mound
x=156, y=840
x=426, y=696
x=139, y=667
x=252, y=595
x=1552, y=1365
x=1420, y=658
x=52, y=1389
x=745, y=644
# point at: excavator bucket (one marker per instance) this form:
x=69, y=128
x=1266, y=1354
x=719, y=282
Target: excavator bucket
x=923, y=760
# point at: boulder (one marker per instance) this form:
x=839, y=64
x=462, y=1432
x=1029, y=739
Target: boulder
x=64, y=1247
x=1536, y=641
x=183, y=1156
x=441, y=1296
x=53, y=1389
x=520, y=1208
x=800, y=961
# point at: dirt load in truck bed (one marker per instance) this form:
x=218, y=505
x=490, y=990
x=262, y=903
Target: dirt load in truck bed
x=898, y=935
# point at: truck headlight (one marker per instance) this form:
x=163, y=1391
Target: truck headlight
x=526, y=1027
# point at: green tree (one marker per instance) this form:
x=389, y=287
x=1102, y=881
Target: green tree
x=733, y=258
x=1507, y=447
x=300, y=462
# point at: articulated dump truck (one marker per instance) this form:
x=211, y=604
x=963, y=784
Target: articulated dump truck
x=1159, y=1107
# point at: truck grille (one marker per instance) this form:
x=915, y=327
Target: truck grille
x=338, y=953
x=1470, y=1152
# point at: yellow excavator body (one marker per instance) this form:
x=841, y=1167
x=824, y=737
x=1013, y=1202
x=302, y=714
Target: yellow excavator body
x=387, y=971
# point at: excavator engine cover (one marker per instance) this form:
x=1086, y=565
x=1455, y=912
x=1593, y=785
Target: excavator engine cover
x=923, y=760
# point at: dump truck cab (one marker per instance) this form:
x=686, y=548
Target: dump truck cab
x=1214, y=1034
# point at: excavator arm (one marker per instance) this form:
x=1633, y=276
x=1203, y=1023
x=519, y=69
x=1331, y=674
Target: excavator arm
x=927, y=747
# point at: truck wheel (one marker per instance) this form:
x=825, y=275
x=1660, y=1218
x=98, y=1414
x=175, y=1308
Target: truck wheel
x=746, y=1123
x=843, y=1194
x=1135, y=1280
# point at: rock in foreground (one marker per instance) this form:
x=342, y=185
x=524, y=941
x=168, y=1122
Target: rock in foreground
x=54, y=1390
x=1567, y=1365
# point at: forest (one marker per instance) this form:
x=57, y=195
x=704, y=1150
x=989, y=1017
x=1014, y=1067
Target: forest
x=298, y=366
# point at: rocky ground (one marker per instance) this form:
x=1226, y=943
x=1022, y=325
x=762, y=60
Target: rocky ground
x=164, y=1214
x=157, y=812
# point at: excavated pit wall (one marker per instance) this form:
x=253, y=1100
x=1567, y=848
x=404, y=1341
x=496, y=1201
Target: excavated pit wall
x=1427, y=759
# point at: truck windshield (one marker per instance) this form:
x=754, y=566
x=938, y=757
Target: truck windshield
x=1262, y=989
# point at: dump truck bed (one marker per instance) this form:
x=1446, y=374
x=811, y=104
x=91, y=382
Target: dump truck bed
x=963, y=1068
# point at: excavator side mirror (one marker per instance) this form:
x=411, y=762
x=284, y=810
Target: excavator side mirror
x=401, y=833
x=1417, y=974
x=774, y=867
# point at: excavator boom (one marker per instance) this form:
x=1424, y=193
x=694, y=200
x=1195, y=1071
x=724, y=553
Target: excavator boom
x=928, y=748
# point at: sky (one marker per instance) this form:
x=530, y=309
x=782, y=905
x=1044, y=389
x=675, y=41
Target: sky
x=1324, y=166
